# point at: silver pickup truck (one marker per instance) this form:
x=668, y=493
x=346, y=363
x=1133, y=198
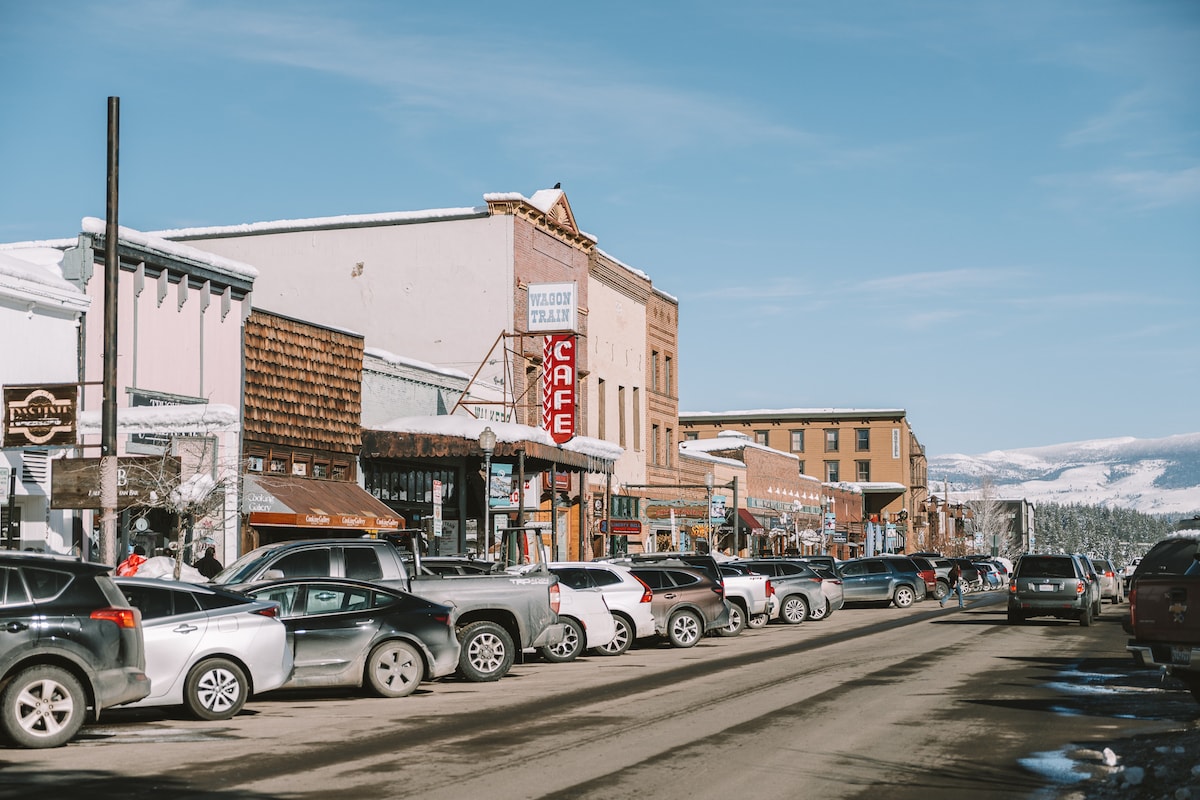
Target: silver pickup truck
x=496, y=614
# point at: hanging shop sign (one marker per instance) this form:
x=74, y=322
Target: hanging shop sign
x=558, y=387
x=40, y=415
x=141, y=481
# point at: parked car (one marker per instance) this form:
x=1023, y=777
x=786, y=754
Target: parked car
x=207, y=649
x=1112, y=582
x=72, y=646
x=799, y=589
x=750, y=596
x=1052, y=586
x=628, y=598
x=990, y=574
x=928, y=573
x=589, y=624
x=970, y=575
x=353, y=633
x=687, y=602
x=882, y=579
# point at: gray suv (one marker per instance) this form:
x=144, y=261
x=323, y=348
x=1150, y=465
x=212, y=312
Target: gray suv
x=70, y=645
x=1053, y=586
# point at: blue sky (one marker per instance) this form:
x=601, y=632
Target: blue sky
x=986, y=213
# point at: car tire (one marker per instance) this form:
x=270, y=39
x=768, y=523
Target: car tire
x=216, y=688
x=941, y=591
x=904, y=597
x=685, y=628
x=621, y=642
x=757, y=621
x=1085, y=617
x=394, y=669
x=42, y=706
x=794, y=609
x=737, y=621
x=487, y=652
x=823, y=612
x=571, y=645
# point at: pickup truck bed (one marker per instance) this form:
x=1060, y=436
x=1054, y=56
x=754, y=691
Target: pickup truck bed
x=1165, y=616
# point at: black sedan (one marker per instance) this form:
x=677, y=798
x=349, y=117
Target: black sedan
x=351, y=633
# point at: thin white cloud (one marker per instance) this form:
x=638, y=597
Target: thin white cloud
x=1126, y=114
x=1125, y=189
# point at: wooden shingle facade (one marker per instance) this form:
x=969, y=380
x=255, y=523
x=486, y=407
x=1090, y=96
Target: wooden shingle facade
x=303, y=398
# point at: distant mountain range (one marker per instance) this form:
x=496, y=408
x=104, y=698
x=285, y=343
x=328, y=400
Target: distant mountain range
x=1154, y=476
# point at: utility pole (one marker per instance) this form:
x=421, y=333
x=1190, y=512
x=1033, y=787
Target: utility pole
x=108, y=408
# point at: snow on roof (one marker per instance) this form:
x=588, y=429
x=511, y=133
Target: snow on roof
x=342, y=221
x=797, y=412
x=188, y=418
x=730, y=440
x=392, y=358
x=42, y=265
x=543, y=200
x=149, y=241
x=469, y=428
x=700, y=455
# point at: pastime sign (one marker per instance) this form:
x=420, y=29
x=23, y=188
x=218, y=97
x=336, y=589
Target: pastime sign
x=40, y=415
x=551, y=307
x=558, y=387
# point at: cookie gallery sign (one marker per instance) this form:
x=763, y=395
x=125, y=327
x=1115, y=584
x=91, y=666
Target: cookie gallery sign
x=40, y=415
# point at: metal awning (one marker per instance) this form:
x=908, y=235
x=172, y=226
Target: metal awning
x=314, y=503
x=539, y=457
x=747, y=523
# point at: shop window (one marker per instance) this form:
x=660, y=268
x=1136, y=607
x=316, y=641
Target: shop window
x=254, y=463
x=862, y=470
x=320, y=469
x=278, y=466
x=339, y=472
x=832, y=471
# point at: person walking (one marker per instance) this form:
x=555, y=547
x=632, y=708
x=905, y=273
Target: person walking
x=955, y=581
x=209, y=566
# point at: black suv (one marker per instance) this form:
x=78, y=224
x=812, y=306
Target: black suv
x=70, y=645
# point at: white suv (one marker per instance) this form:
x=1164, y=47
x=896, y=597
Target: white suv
x=628, y=599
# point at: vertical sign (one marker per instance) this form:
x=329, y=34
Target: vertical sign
x=558, y=386
x=437, y=509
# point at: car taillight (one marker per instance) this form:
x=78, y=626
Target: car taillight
x=272, y=611
x=770, y=588
x=555, y=598
x=1080, y=588
x=1110, y=575
x=123, y=617
x=1133, y=606
x=647, y=593
x=719, y=588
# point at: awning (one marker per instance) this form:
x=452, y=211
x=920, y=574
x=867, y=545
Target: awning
x=314, y=503
x=747, y=522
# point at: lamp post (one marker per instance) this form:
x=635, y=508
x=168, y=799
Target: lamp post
x=487, y=443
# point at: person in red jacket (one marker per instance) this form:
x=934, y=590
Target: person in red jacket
x=130, y=565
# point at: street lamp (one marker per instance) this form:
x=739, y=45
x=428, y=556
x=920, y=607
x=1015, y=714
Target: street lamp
x=487, y=443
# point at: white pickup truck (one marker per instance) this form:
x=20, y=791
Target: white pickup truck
x=751, y=598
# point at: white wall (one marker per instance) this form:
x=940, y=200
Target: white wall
x=438, y=291
x=616, y=354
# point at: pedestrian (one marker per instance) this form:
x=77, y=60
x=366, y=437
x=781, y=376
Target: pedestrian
x=955, y=581
x=130, y=565
x=209, y=566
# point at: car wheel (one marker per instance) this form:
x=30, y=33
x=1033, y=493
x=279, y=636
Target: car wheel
x=757, y=621
x=394, y=669
x=621, y=642
x=794, y=609
x=904, y=596
x=571, y=645
x=216, y=688
x=822, y=611
x=487, y=652
x=1099, y=609
x=1085, y=617
x=737, y=621
x=684, y=629
x=941, y=590
x=42, y=706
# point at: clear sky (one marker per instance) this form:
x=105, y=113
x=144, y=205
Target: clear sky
x=986, y=213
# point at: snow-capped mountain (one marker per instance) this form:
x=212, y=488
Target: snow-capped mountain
x=1154, y=476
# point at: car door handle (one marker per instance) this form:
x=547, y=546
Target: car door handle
x=671, y=596
x=16, y=627
x=183, y=627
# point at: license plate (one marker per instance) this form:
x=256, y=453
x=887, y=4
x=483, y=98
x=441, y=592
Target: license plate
x=1181, y=655
x=1046, y=587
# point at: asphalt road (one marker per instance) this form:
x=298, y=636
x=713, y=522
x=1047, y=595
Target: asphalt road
x=880, y=703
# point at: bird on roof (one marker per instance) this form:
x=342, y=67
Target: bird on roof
x=558, y=185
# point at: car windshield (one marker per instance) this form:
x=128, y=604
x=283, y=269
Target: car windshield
x=1045, y=568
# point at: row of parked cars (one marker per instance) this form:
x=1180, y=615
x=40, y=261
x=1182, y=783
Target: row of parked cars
x=325, y=613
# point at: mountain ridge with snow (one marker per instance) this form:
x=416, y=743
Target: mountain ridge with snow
x=1153, y=476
